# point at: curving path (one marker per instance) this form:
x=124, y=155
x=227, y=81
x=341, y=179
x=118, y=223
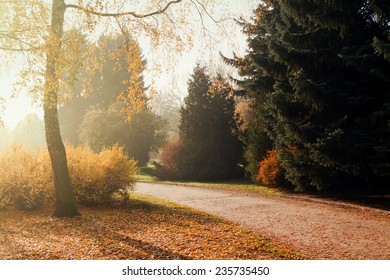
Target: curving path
x=317, y=228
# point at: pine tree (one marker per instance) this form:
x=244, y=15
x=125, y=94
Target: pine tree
x=208, y=130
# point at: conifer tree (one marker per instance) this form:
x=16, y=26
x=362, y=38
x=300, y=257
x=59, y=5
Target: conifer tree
x=320, y=72
x=262, y=72
x=208, y=130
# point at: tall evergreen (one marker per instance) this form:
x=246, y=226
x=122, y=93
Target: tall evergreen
x=321, y=69
x=208, y=130
x=262, y=72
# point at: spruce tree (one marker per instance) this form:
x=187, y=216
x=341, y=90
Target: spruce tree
x=262, y=72
x=320, y=71
x=211, y=149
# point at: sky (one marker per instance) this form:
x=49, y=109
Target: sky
x=19, y=106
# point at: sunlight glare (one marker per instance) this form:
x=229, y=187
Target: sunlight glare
x=17, y=107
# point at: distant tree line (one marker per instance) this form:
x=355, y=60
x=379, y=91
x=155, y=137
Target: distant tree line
x=29, y=132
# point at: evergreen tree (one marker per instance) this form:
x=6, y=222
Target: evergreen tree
x=208, y=130
x=320, y=72
x=97, y=120
x=30, y=132
x=262, y=72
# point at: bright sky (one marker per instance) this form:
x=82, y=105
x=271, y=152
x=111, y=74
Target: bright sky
x=18, y=107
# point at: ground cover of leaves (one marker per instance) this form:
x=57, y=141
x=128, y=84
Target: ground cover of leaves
x=139, y=230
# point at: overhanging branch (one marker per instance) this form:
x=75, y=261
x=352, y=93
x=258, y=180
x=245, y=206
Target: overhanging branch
x=136, y=15
x=15, y=49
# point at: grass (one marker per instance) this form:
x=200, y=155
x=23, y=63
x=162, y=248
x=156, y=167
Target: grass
x=144, y=228
x=237, y=185
x=230, y=185
x=142, y=176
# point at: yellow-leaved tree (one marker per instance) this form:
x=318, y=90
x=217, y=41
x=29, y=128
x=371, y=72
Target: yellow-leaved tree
x=36, y=29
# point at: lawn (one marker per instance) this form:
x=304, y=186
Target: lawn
x=141, y=229
x=235, y=185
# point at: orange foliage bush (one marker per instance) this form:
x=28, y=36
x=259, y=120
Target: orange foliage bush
x=26, y=180
x=270, y=171
x=169, y=157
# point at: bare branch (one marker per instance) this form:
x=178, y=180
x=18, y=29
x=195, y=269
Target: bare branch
x=124, y=32
x=15, y=38
x=92, y=12
x=201, y=17
x=17, y=49
x=169, y=18
x=212, y=18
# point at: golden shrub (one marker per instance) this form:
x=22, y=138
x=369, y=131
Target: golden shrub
x=26, y=180
x=95, y=177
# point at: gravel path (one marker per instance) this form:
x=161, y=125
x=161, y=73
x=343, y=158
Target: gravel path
x=317, y=228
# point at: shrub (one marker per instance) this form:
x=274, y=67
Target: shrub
x=169, y=157
x=96, y=177
x=26, y=180
x=271, y=173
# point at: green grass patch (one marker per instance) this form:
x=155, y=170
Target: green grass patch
x=143, y=176
x=244, y=186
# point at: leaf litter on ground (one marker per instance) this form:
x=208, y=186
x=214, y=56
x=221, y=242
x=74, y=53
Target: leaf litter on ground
x=139, y=230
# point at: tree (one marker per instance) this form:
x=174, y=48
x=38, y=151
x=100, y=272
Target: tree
x=108, y=84
x=140, y=136
x=318, y=72
x=47, y=45
x=262, y=72
x=208, y=130
x=83, y=117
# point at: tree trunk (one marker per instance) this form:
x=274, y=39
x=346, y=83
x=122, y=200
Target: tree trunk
x=65, y=200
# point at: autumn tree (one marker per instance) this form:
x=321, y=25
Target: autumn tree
x=106, y=85
x=24, y=30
